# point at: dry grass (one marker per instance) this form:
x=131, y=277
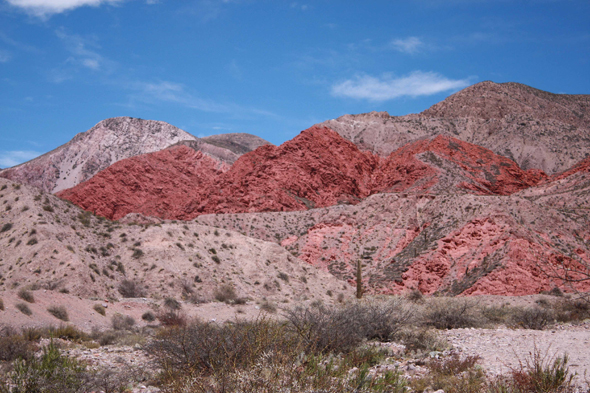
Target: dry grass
x=59, y=312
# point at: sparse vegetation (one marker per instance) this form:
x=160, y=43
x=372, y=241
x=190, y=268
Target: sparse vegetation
x=6, y=227
x=148, y=316
x=131, y=289
x=99, y=309
x=59, y=312
x=26, y=295
x=225, y=293
x=122, y=322
x=22, y=307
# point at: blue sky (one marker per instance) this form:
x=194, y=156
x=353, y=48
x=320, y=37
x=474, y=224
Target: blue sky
x=270, y=68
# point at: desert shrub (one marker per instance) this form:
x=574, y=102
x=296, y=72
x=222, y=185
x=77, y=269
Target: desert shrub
x=261, y=356
x=452, y=375
x=538, y=373
x=498, y=314
x=340, y=329
x=22, y=307
x=108, y=337
x=6, y=227
x=532, y=318
x=268, y=307
x=216, y=259
x=122, y=322
x=137, y=253
x=171, y=318
x=32, y=241
x=420, y=339
x=52, y=372
x=207, y=347
x=415, y=296
x=283, y=276
x=1, y=304
x=59, y=312
x=451, y=313
x=172, y=303
x=131, y=289
x=99, y=309
x=13, y=346
x=148, y=316
x=566, y=310
x=225, y=293
x=27, y=296
x=64, y=332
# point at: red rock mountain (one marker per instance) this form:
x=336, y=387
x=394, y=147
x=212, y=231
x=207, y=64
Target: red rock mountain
x=455, y=200
x=318, y=168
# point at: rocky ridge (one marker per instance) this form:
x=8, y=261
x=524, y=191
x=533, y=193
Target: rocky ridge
x=114, y=139
x=536, y=129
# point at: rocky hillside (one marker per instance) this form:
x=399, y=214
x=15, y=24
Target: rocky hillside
x=115, y=139
x=47, y=243
x=318, y=168
x=536, y=129
x=448, y=243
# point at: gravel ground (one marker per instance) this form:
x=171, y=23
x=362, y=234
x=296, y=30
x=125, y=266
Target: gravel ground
x=503, y=349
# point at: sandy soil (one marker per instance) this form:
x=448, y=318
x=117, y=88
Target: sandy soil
x=505, y=349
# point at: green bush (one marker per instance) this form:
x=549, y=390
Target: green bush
x=49, y=373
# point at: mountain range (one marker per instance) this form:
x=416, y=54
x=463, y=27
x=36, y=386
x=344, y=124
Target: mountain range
x=485, y=192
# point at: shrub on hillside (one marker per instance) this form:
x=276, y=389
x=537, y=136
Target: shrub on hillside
x=131, y=289
x=27, y=296
x=122, y=322
x=225, y=293
x=59, y=312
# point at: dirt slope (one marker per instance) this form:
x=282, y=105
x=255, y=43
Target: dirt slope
x=51, y=245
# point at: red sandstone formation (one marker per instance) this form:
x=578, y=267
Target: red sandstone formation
x=318, y=168
x=156, y=184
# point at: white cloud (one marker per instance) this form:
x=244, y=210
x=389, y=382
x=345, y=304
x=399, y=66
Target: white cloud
x=416, y=84
x=46, y=8
x=15, y=157
x=407, y=45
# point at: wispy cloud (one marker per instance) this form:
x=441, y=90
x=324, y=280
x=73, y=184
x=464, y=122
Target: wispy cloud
x=15, y=157
x=416, y=84
x=154, y=93
x=165, y=91
x=46, y=8
x=5, y=56
x=80, y=53
x=407, y=45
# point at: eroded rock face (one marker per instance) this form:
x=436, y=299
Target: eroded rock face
x=318, y=168
x=536, y=129
x=116, y=139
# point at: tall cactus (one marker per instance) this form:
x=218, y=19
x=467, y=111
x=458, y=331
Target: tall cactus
x=359, y=280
